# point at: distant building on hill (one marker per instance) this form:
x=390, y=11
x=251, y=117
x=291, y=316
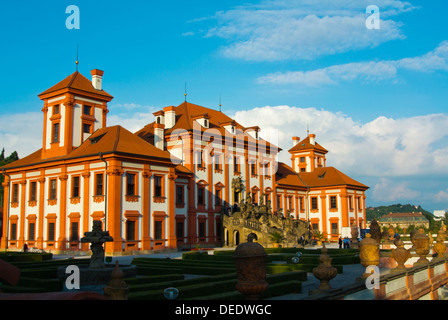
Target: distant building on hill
x=439, y=214
x=404, y=219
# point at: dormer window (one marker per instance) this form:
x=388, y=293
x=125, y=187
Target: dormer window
x=202, y=119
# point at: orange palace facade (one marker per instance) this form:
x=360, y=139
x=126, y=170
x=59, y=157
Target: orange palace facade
x=164, y=186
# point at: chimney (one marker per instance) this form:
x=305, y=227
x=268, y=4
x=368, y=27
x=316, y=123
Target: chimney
x=313, y=139
x=97, y=79
x=159, y=136
x=170, y=117
x=295, y=141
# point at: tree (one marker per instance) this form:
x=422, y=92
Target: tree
x=4, y=161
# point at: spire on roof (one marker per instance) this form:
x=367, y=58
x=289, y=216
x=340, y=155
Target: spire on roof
x=77, y=57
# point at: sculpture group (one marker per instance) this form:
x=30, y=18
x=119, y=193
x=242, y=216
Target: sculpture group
x=249, y=217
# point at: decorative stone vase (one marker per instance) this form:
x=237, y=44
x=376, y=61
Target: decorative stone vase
x=325, y=271
x=440, y=247
x=250, y=261
x=420, y=243
x=369, y=252
x=375, y=231
x=401, y=255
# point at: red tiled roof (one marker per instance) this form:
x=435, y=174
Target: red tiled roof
x=305, y=145
x=76, y=81
x=329, y=176
x=403, y=215
x=286, y=176
x=185, y=116
x=108, y=140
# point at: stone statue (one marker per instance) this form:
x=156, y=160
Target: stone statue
x=97, y=237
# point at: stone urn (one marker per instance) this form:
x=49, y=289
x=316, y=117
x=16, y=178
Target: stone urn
x=375, y=231
x=401, y=255
x=420, y=243
x=325, y=271
x=440, y=247
x=250, y=261
x=369, y=252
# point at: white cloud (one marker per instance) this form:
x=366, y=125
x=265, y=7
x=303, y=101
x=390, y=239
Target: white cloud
x=303, y=29
x=382, y=147
x=388, y=190
x=362, y=71
x=130, y=116
x=369, y=71
x=442, y=196
x=21, y=132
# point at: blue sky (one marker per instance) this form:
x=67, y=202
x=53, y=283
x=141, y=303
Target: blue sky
x=377, y=99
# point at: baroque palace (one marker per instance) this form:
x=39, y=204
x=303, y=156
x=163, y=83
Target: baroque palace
x=165, y=186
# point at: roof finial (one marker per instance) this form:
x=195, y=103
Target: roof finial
x=185, y=91
x=307, y=129
x=220, y=105
x=77, y=57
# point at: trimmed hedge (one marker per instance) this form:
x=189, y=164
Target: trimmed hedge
x=141, y=280
x=25, y=256
x=205, y=288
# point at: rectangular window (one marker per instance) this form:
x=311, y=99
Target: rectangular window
x=254, y=197
x=75, y=187
x=359, y=203
x=31, y=231
x=180, y=230
x=130, y=230
x=333, y=202
x=350, y=202
x=334, y=228
x=74, y=231
x=52, y=191
x=87, y=110
x=314, y=203
x=158, y=183
x=15, y=192
x=290, y=203
x=279, y=202
x=217, y=197
x=55, y=137
x=13, y=235
x=179, y=195
x=315, y=227
x=301, y=203
x=99, y=183
x=217, y=162
x=199, y=159
x=201, y=229
x=201, y=198
x=253, y=168
x=55, y=109
x=158, y=234
x=51, y=231
x=236, y=164
x=266, y=169
x=33, y=191
x=302, y=159
x=86, y=128
x=130, y=184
